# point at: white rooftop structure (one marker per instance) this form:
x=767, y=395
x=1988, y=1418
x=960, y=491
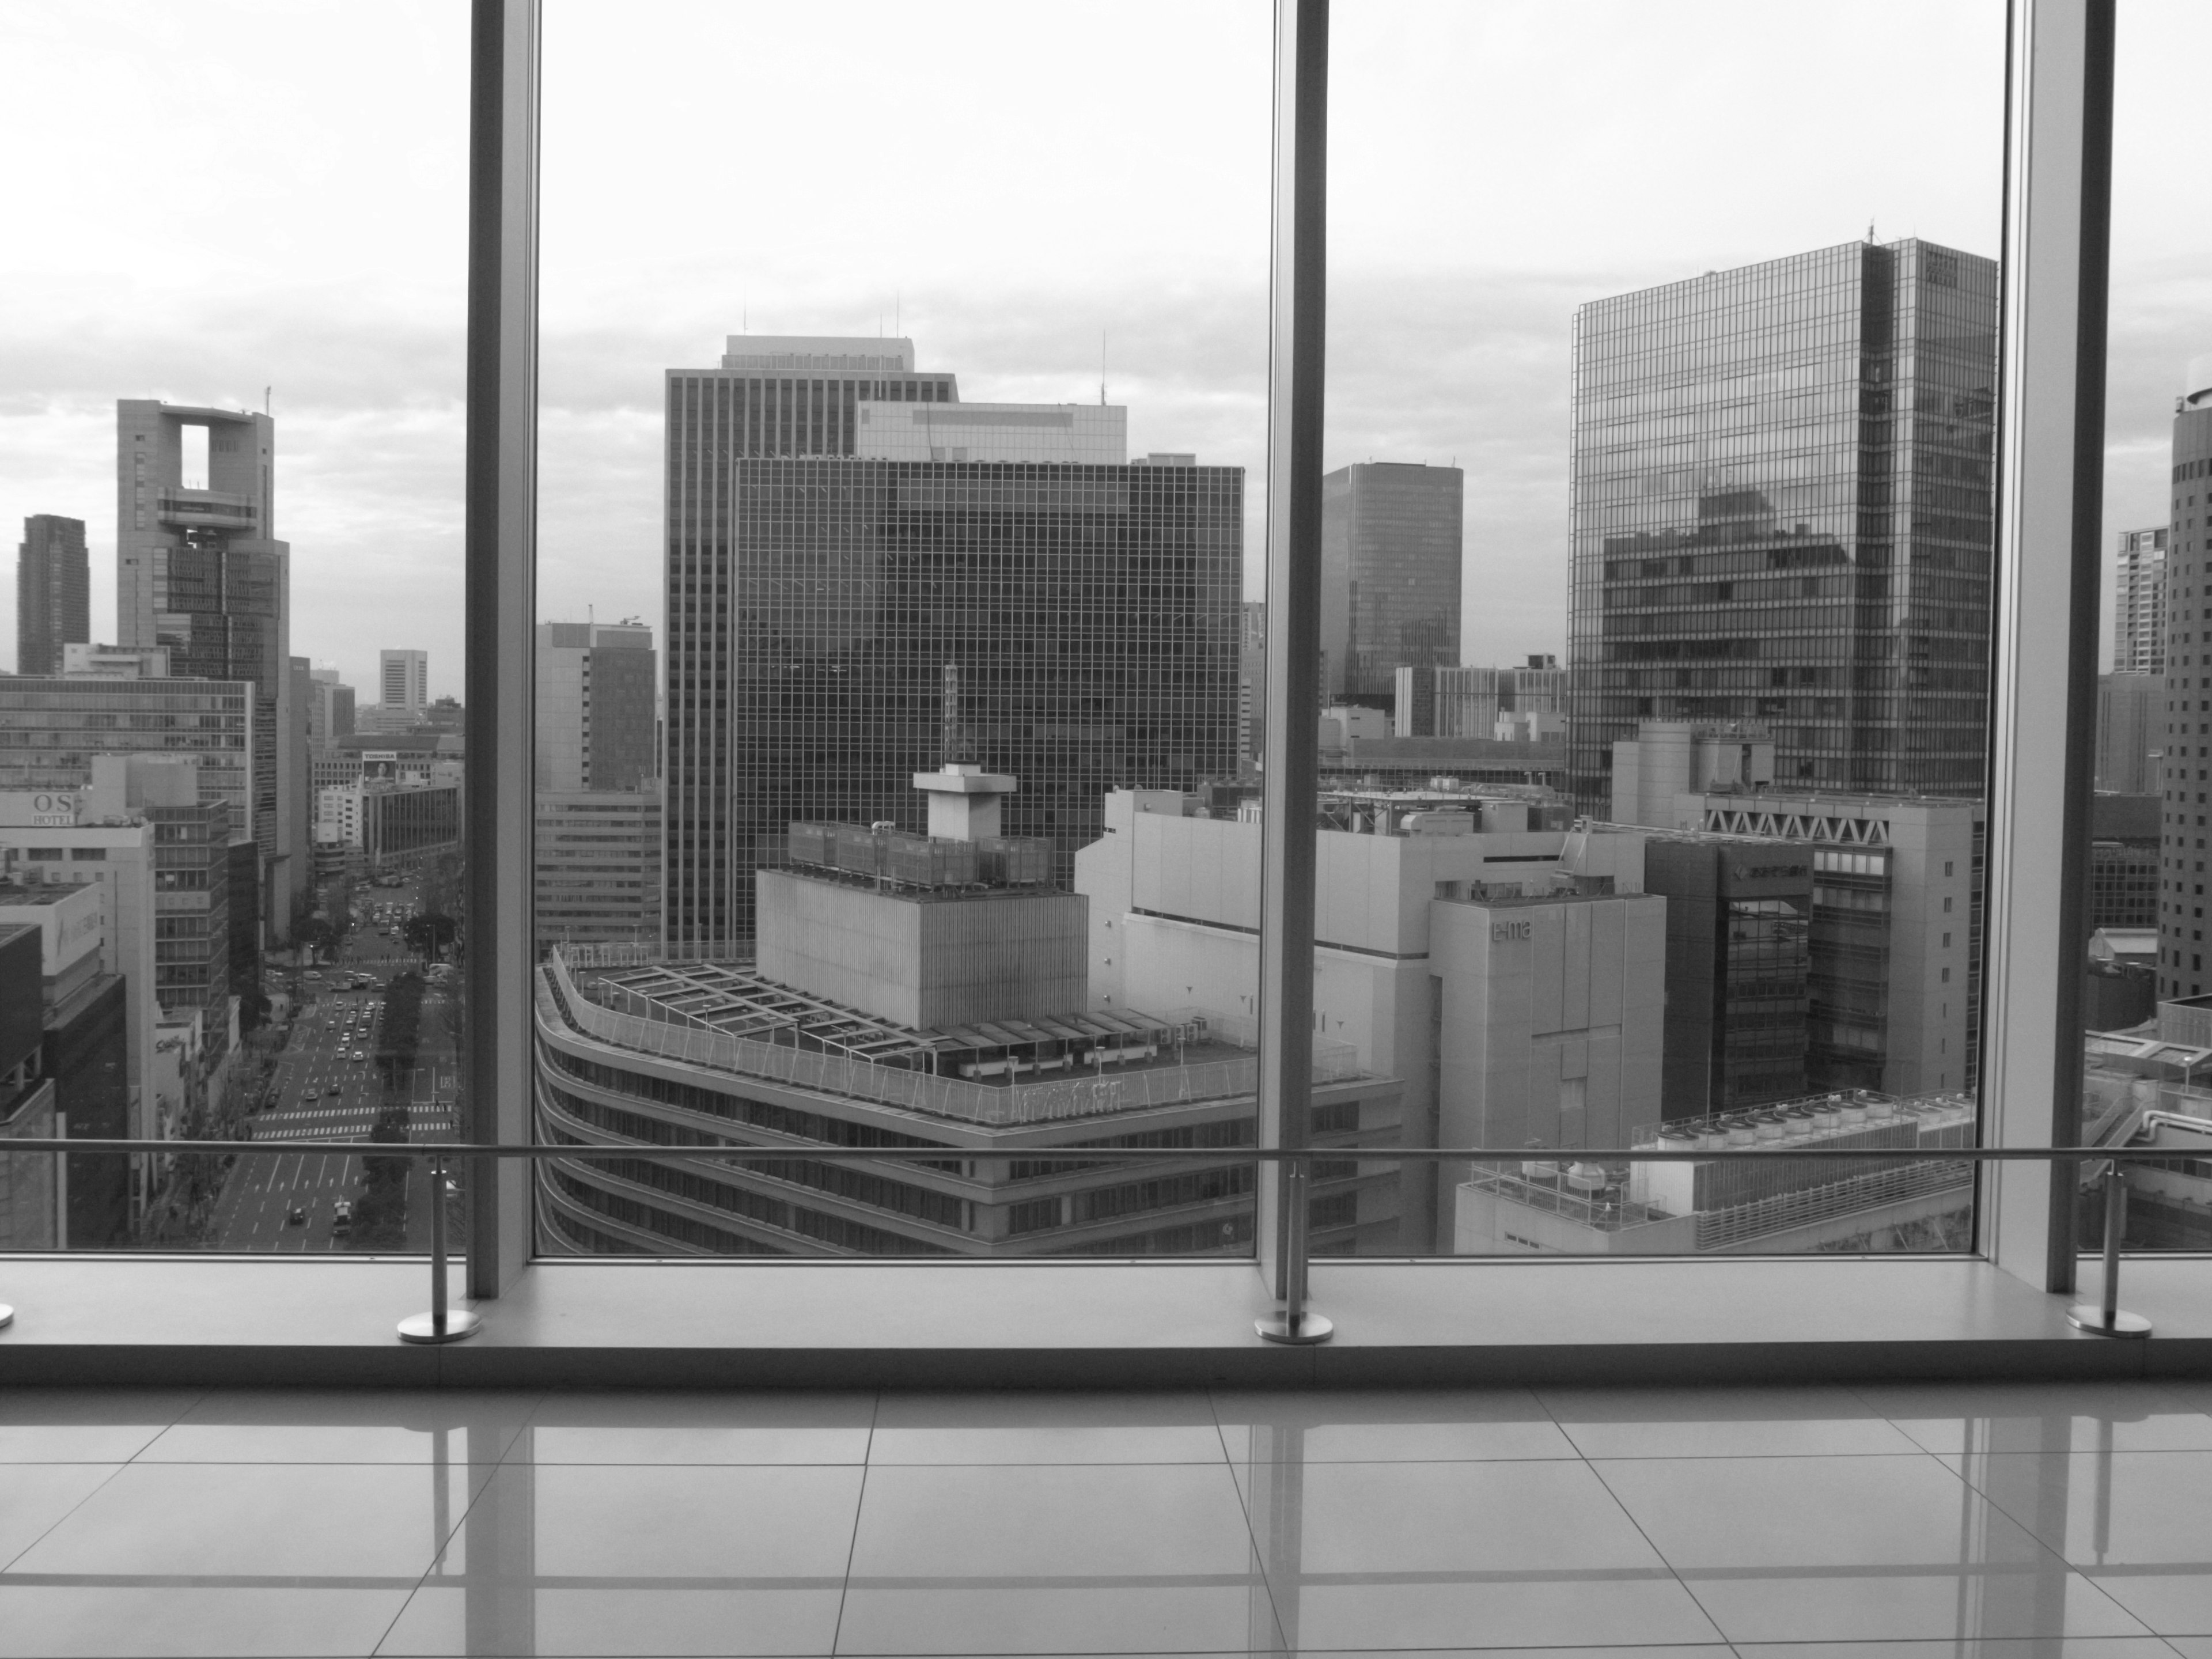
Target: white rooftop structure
x=1087, y=434
x=821, y=353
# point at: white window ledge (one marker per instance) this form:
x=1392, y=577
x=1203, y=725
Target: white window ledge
x=121, y=1320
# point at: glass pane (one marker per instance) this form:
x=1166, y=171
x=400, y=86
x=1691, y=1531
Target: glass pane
x=920, y=493
x=1656, y=616
x=233, y=426
x=2147, y=1017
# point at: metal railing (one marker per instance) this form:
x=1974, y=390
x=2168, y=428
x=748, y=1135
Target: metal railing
x=1295, y=1323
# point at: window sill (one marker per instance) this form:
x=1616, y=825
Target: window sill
x=1092, y=1324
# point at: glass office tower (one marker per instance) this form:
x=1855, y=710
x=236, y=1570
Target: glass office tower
x=1782, y=513
x=1389, y=576
x=1074, y=626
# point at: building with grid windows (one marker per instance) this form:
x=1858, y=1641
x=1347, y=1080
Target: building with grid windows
x=2139, y=602
x=197, y=571
x=853, y=622
x=53, y=591
x=1390, y=578
x=403, y=679
x=2187, y=715
x=1782, y=513
x=598, y=871
x=595, y=719
x=51, y=729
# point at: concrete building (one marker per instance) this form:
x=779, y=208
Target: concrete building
x=1174, y=921
x=53, y=591
x=2130, y=733
x=1065, y=435
x=947, y=926
x=2139, y=602
x=330, y=708
x=598, y=870
x=403, y=679
x=1782, y=513
x=376, y=827
x=1897, y=930
x=1669, y=758
x=34, y=1199
x=92, y=837
x=1390, y=556
x=595, y=721
x=199, y=571
x=88, y=661
x=1528, y=704
x=1546, y=1206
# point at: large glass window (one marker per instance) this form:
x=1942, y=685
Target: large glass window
x=231, y=758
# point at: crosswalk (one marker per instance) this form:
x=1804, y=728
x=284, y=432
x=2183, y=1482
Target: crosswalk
x=338, y=1122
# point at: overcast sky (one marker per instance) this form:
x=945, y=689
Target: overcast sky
x=214, y=197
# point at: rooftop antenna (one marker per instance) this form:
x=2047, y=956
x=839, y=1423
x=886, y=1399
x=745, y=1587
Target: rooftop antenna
x=268, y=397
x=1869, y=230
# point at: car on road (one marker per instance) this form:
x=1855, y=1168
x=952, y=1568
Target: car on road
x=335, y=1089
x=361, y=1053
x=295, y=1217
x=311, y=1096
x=341, y=1218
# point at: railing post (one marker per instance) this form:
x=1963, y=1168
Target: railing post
x=440, y=1324
x=2106, y=1319
x=1295, y=1323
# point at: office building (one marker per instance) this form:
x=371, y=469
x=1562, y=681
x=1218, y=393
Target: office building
x=1251, y=685
x=192, y=945
x=53, y=591
x=85, y=1050
x=596, y=683
x=1527, y=703
x=1390, y=553
x=2139, y=602
x=88, y=661
x=1174, y=916
x=2124, y=861
x=1543, y=1207
x=598, y=871
x=403, y=679
x=1896, y=960
x=376, y=827
x=1739, y=964
x=199, y=571
x=32, y=1204
x=52, y=731
x=865, y=925
x=2130, y=733
x=2187, y=715
x=838, y=624
x=1782, y=513
x=329, y=707
x=1665, y=759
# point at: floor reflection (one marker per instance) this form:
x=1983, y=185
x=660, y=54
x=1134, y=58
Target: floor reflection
x=2025, y=1520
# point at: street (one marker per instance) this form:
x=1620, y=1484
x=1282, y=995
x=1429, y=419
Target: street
x=327, y=1087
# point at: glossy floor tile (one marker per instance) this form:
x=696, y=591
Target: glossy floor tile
x=2014, y=1522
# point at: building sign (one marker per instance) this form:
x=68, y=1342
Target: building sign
x=1503, y=932
x=40, y=809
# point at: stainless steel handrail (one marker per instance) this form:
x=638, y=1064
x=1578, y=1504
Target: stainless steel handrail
x=443, y=1324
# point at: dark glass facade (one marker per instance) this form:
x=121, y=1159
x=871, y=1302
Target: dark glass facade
x=53, y=592
x=1075, y=626
x=1782, y=513
x=1390, y=575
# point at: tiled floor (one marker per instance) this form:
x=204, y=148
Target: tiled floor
x=1812, y=1523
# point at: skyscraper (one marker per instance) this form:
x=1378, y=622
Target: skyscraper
x=404, y=678
x=1389, y=576
x=1782, y=513
x=53, y=592
x=836, y=625
x=2188, y=715
x=595, y=686
x=198, y=571
x=2139, y=603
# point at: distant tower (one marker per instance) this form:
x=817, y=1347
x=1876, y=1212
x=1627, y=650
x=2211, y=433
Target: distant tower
x=595, y=690
x=2139, y=603
x=1390, y=575
x=403, y=679
x=53, y=592
x=198, y=570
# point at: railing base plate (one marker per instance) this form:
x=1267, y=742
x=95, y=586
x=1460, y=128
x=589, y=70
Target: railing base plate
x=2092, y=1320
x=1311, y=1328
x=423, y=1328
x=7, y=1314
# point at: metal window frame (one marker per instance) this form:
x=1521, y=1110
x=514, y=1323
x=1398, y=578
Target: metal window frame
x=2057, y=196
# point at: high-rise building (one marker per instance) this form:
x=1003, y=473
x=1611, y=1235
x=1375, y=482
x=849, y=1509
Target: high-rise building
x=2130, y=733
x=1390, y=558
x=2139, y=602
x=198, y=570
x=1526, y=704
x=1782, y=512
x=2124, y=861
x=838, y=624
x=1251, y=683
x=595, y=690
x=53, y=591
x=2188, y=714
x=599, y=867
x=403, y=679
x=330, y=708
